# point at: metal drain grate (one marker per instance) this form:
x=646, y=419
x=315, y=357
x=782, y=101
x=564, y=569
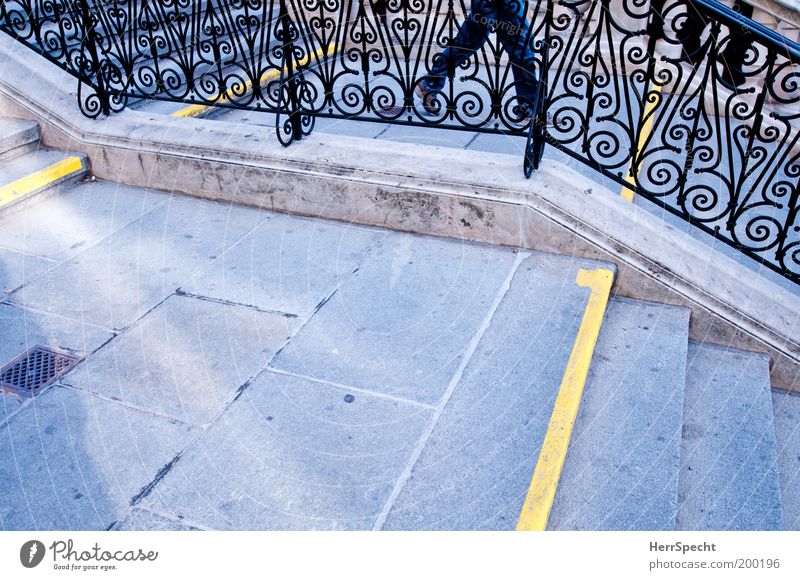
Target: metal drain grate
x=35, y=369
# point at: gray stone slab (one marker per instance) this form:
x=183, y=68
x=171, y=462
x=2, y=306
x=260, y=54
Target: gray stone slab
x=491, y=143
x=621, y=470
x=60, y=226
x=293, y=454
x=787, y=432
x=401, y=324
x=365, y=129
x=9, y=404
x=261, y=118
x=186, y=359
x=437, y=136
x=124, y=275
x=729, y=473
x=22, y=329
x=288, y=264
x=71, y=461
x=476, y=468
x=139, y=520
x=17, y=269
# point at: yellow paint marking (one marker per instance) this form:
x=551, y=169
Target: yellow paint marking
x=198, y=110
x=648, y=116
x=542, y=490
x=38, y=180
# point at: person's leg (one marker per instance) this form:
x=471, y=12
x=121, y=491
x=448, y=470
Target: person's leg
x=692, y=25
x=514, y=33
x=735, y=52
x=471, y=36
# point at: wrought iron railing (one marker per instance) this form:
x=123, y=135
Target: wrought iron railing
x=687, y=103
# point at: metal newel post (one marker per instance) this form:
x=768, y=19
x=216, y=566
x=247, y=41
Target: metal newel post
x=91, y=43
x=288, y=66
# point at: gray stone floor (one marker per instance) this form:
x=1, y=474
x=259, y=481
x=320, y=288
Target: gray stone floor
x=246, y=370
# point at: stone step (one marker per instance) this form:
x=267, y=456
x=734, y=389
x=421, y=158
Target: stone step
x=787, y=432
x=621, y=469
x=729, y=473
x=474, y=470
x=17, y=137
x=43, y=170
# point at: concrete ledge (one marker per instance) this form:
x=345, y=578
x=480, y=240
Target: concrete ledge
x=464, y=194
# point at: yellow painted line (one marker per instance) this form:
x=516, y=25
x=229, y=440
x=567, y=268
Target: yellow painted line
x=542, y=490
x=649, y=115
x=40, y=179
x=198, y=110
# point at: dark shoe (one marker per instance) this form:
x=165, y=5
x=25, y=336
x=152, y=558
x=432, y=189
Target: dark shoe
x=428, y=96
x=524, y=117
x=732, y=77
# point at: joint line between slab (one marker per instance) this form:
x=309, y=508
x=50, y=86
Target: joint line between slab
x=343, y=387
x=405, y=475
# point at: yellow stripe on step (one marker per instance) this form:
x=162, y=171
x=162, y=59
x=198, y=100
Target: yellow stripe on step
x=627, y=193
x=40, y=179
x=542, y=491
x=199, y=110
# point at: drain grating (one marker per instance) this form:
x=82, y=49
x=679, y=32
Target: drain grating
x=35, y=369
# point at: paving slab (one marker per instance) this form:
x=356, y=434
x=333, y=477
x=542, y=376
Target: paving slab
x=17, y=269
x=287, y=264
x=126, y=274
x=729, y=472
x=365, y=129
x=64, y=224
x=9, y=404
x=143, y=520
x=186, y=359
x=476, y=467
x=293, y=454
x=22, y=329
x=787, y=431
x=427, y=135
x=71, y=461
x=265, y=120
x=621, y=469
x=401, y=324
x=492, y=143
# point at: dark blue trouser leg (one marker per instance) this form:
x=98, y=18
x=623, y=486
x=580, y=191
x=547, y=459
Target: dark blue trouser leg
x=514, y=33
x=471, y=36
x=507, y=19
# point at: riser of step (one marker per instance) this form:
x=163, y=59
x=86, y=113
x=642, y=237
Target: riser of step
x=17, y=137
x=621, y=469
x=787, y=430
x=729, y=476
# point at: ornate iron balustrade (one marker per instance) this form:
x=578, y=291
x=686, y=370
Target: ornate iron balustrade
x=687, y=103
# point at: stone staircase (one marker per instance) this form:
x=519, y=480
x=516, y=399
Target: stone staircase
x=375, y=379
